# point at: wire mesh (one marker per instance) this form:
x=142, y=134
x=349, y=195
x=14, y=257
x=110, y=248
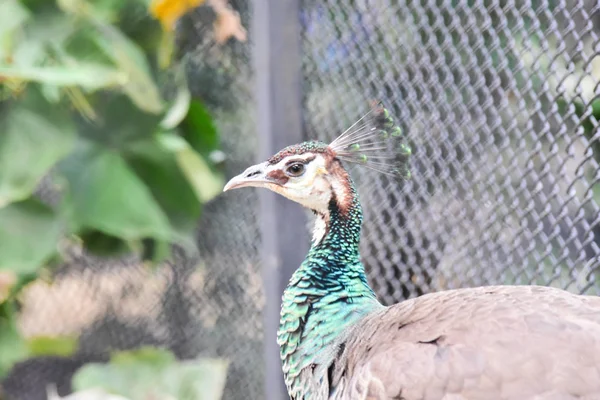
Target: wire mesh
x=505, y=167
x=497, y=99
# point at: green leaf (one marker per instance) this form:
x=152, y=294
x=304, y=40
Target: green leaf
x=49, y=29
x=153, y=373
x=19, y=224
x=12, y=16
x=88, y=76
x=129, y=58
x=101, y=244
x=106, y=195
x=83, y=46
x=166, y=49
x=178, y=110
x=63, y=346
x=30, y=145
x=51, y=93
x=160, y=171
x=12, y=346
x=206, y=183
x=120, y=122
x=81, y=8
x=124, y=53
x=91, y=394
x=199, y=130
x=157, y=251
x=149, y=356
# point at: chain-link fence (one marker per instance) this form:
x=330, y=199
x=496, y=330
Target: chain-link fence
x=497, y=98
x=494, y=96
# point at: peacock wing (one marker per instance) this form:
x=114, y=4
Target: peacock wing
x=517, y=343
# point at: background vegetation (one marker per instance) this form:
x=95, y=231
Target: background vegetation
x=102, y=148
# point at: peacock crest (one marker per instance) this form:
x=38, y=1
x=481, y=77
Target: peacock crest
x=375, y=142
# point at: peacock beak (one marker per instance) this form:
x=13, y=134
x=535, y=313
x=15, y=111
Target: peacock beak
x=252, y=176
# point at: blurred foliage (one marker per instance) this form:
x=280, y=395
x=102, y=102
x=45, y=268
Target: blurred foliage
x=150, y=373
x=12, y=347
x=101, y=145
x=61, y=346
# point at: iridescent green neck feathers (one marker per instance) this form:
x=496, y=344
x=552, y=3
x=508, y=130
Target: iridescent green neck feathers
x=328, y=294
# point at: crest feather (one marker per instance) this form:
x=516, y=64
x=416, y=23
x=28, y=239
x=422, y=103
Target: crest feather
x=375, y=142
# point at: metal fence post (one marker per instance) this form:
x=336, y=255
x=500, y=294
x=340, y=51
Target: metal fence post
x=277, y=63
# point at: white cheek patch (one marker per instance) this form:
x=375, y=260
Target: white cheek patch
x=314, y=188
x=319, y=194
x=310, y=189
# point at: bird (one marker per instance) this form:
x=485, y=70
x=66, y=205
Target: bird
x=338, y=341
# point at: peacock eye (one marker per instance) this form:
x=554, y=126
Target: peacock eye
x=295, y=169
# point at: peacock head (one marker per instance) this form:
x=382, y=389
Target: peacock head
x=312, y=173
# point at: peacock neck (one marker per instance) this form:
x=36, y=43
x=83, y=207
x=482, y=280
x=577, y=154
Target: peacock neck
x=328, y=293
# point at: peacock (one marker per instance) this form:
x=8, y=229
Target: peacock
x=337, y=341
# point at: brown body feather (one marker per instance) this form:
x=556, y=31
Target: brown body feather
x=502, y=342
